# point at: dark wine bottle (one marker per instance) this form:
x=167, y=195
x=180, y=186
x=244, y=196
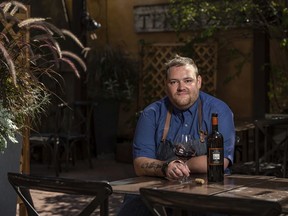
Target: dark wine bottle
x=215, y=153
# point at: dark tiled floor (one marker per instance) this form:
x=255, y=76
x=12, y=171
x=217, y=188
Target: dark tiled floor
x=104, y=168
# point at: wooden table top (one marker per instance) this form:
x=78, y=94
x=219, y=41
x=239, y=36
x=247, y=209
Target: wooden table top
x=132, y=185
x=275, y=189
x=241, y=186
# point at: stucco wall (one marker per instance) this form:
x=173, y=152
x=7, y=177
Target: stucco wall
x=238, y=92
x=118, y=25
x=118, y=30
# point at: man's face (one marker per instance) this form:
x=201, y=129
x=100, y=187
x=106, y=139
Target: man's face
x=182, y=86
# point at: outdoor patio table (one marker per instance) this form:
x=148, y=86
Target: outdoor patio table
x=274, y=189
x=251, y=187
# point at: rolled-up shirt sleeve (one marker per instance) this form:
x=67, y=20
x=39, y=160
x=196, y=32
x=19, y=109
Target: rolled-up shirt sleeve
x=227, y=129
x=144, y=144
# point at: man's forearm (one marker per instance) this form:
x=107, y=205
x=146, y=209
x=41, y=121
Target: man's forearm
x=199, y=164
x=148, y=167
x=151, y=167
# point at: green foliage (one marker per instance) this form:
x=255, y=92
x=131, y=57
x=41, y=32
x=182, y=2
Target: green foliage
x=208, y=18
x=112, y=74
x=278, y=93
x=29, y=48
x=197, y=14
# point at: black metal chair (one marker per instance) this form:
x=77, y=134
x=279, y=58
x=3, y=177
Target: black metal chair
x=46, y=141
x=72, y=128
x=158, y=201
x=100, y=190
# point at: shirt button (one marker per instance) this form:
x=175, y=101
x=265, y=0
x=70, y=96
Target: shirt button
x=186, y=125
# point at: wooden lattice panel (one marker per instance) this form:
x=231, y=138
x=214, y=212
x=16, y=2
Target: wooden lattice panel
x=11, y=32
x=153, y=72
x=154, y=58
x=206, y=60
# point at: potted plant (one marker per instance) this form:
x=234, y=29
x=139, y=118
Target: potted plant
x=114, y=72
x=29, y=48
x=112, y=82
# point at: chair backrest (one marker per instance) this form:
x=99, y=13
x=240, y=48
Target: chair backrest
x=75, y=118
x=22, y=184
x=66, y=120
x=157, y=200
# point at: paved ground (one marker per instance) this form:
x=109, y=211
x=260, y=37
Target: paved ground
x=105, y=168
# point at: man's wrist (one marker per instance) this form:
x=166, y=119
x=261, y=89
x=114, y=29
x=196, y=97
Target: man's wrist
x=166, y=164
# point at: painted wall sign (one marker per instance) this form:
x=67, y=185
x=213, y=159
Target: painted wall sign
x=152, y=18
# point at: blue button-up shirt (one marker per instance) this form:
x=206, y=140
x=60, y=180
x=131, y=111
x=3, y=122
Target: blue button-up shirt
x=150, y=126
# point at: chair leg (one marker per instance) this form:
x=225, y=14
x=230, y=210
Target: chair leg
x=285, y=158
x=104, y=208
x=56, y=158
x=68, y=152
x=89, y=156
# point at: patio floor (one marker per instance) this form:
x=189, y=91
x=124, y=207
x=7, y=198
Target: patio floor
x=104, y=168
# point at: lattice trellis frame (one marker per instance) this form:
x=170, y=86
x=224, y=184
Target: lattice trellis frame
x=154, y=57
x=11, y=32
x=206, y=60
x=151, y=85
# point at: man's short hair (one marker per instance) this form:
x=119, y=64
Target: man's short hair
x=181, y=61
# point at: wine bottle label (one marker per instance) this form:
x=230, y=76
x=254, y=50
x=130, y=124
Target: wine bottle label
x=215, y=156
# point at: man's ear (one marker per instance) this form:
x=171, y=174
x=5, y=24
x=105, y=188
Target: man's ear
x=199, y=81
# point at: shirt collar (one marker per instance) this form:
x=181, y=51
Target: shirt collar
x=191, y=109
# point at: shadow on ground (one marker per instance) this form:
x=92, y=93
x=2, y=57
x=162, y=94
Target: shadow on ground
x=105, y=168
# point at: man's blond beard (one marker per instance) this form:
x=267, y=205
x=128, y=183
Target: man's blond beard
x=179, y=103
